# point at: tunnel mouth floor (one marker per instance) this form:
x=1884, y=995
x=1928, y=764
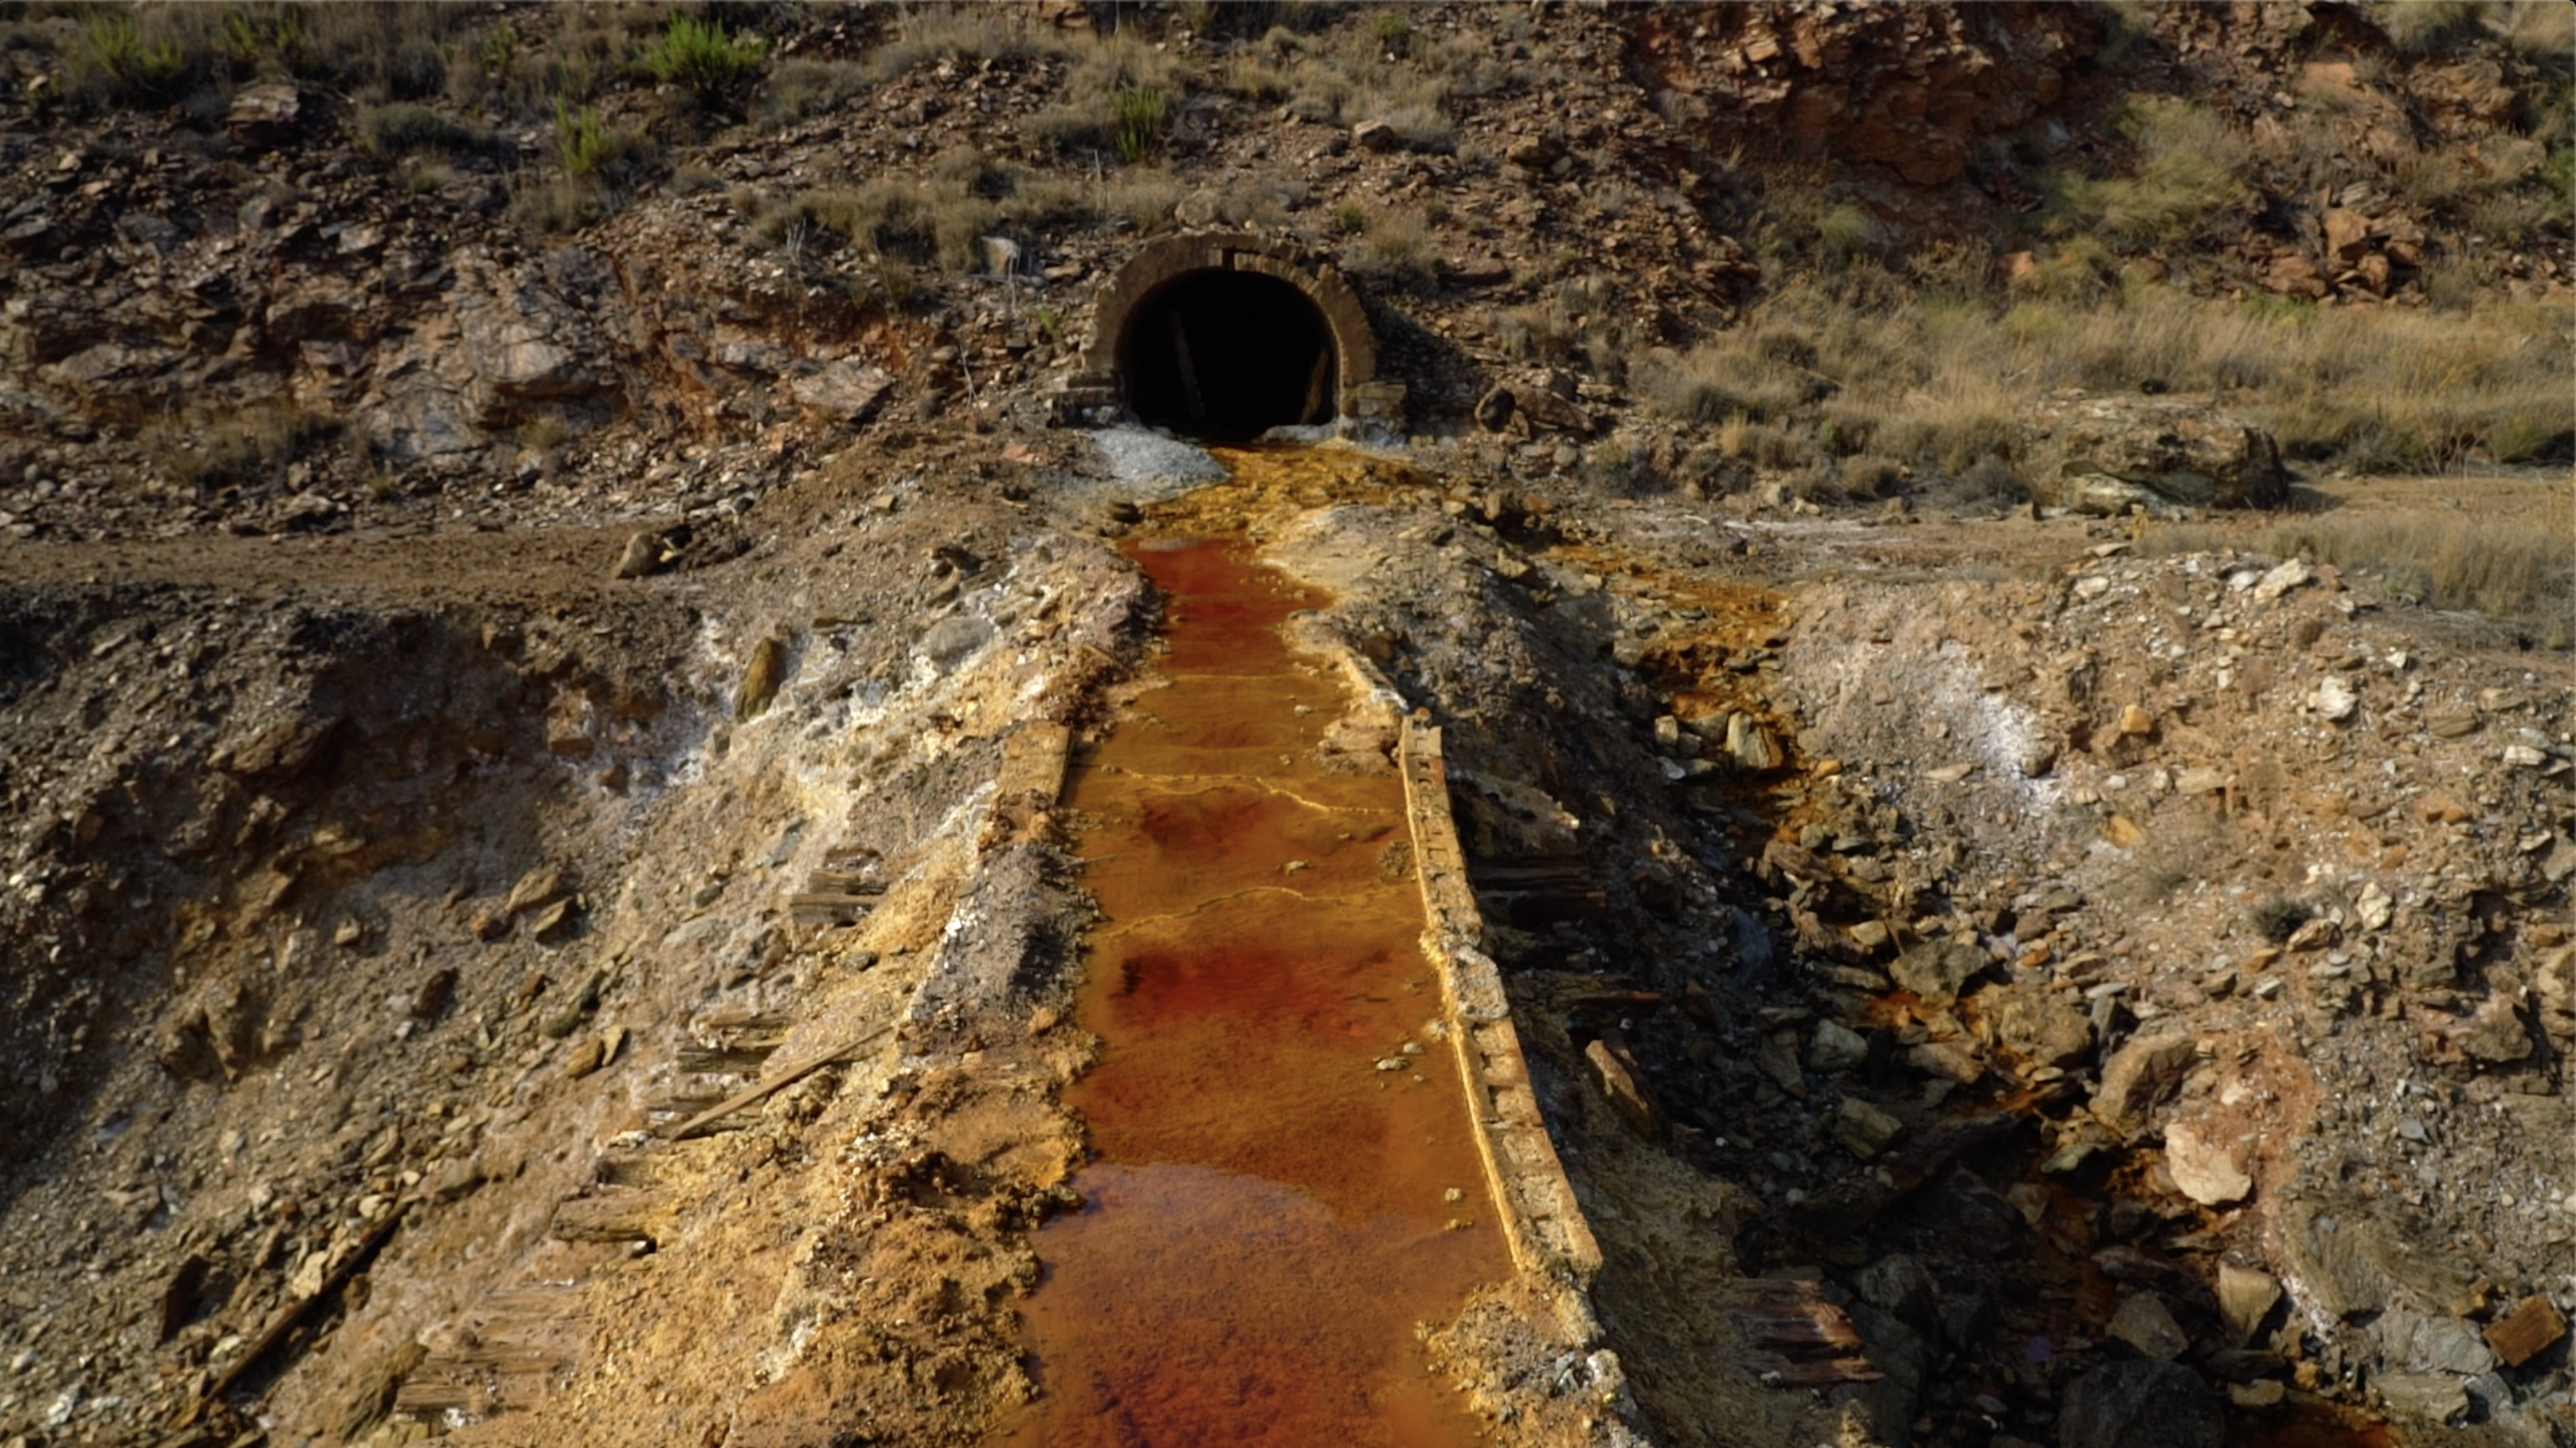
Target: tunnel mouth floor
x=1284, y=1180
x=1226, y=356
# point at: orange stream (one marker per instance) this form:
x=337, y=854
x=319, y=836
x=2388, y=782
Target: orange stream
x=1268, y=1214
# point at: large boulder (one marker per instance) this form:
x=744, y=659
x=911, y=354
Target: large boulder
x=531, y=334
x=2097, y=454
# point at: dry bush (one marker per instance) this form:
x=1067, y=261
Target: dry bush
x=890, y=218
x=160, y=53
x=1039, y=199
x=801, y=87
x=1244, y=19
x=1342, y=80
x=1120, y=97
x=1940, y=382
x=2539, y=30
x=2453, y=559
x=2191, y=168
x=1724, y=378
x=250, y=449
x=2180, y=845
x=2418, y=27
x=498, y=71
x=1142, y=199
x=964, y=32
x=1581, y=323
x=2502, y=568
x=403, y=127
x=1393, y=251
x=559, y=203
x=1763, y=444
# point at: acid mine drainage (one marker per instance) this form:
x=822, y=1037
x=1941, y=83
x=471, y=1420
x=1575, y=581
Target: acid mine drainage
x=940, y=907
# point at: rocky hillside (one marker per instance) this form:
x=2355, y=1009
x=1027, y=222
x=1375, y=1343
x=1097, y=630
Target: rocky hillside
x=1993, y=578
x=279, y=268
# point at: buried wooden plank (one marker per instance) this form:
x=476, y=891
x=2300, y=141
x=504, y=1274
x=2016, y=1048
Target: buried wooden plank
x=828, y=907
x=1794, y=1337
x=295, y=1312
x=699, y=1123
x=621, y=1215
x=844, y=882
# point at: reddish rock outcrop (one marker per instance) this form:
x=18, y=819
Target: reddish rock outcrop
x=1910, y=88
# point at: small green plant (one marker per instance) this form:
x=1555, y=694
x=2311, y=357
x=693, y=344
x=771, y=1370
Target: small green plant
x=1350, y=218
x=698, y=55
x=1394, y=31
x=136, y=65
x=501, y=50
x=242, y=40
x=1049, y=322
x=1138, y=116
x=581, y=141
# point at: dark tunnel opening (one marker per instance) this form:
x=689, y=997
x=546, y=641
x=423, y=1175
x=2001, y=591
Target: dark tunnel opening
x=1225, y=355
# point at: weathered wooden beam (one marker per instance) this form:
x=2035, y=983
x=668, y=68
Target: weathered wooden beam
x=697, y=1125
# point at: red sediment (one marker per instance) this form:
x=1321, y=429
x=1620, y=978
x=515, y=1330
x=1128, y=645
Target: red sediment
x=1269, y=1213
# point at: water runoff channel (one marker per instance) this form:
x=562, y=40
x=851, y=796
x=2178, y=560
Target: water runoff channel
x=1283, y=1182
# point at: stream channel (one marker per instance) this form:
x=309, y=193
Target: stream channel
x=1282, y=1181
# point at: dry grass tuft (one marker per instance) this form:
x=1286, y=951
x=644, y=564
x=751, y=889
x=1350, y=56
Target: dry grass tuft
x=2504, y=568
x=933, y=33
x=1939, y=381
x=2191, y=171
x=248, y=450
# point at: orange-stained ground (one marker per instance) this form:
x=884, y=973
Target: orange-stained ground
x=1269, y=1214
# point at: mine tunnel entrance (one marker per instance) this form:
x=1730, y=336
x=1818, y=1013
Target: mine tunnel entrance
x=1226, y=355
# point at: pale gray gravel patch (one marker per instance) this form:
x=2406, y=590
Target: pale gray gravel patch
x=1153, y=464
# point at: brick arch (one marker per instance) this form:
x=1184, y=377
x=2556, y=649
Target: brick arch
x=1359, y=392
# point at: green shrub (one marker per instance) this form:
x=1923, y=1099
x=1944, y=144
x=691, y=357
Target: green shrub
x=698, y=56
x=1138, y=116
x=137, y=66
x=581, y=141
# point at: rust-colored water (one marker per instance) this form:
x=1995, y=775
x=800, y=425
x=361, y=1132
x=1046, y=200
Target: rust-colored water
x=1269, y=1214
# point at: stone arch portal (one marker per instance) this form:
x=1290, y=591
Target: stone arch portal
x=1223, y=335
